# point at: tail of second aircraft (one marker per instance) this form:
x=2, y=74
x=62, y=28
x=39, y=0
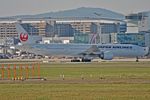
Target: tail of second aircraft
x=24, y=37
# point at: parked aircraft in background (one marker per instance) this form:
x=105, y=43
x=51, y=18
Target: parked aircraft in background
x=86, y=52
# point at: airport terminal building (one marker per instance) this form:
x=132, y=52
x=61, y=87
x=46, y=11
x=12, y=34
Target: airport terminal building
x=81, y=30
x=63, y=28
x=141, y=22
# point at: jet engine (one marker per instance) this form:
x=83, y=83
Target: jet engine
x=107, y=55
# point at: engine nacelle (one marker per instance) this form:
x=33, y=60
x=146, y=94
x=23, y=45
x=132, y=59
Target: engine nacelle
x=107, y=55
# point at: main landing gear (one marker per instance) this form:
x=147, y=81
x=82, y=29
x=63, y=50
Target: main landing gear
x=137, y=59
x=82, y=60
x=75, y=60
x=86, y=60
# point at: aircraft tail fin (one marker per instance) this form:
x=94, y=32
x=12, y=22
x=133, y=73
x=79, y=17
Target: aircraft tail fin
x=24, y=37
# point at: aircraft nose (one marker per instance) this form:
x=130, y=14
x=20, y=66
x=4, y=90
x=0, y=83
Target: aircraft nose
x=146, y=50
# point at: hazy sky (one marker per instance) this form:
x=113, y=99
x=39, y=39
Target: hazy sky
x=18, y=7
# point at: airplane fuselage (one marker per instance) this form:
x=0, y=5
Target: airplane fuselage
x=118, y=50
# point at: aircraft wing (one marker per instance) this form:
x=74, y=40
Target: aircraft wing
x=30, y=49
x=93, y=50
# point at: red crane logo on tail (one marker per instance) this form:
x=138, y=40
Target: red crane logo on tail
x=24, y=37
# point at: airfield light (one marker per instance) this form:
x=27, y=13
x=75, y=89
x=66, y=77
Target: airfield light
x=2, y=69
x=8, y=71
x=39, y=70
x=15, y=74
x=27, y=72
x=21, y=71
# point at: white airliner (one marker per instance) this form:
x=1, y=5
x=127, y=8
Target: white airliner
x=86, y=52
